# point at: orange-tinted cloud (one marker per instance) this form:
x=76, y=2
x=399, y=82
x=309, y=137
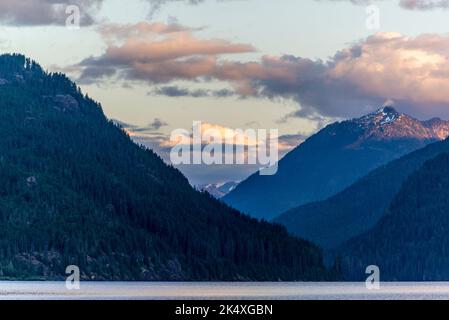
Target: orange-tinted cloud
x=158, y=53
x=412, y=71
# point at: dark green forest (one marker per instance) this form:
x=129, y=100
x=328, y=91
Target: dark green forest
x=410, y=243
x=76, y=190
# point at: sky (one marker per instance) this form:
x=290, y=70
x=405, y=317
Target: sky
x=295, y=66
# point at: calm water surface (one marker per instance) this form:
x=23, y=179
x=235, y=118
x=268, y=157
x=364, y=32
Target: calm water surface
x=222, y=291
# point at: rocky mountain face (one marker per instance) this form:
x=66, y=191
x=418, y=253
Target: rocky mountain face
x=387, y=123
x=438, y=127
x=333, y=159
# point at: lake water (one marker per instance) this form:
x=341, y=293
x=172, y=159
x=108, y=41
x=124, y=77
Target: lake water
x=222, y=291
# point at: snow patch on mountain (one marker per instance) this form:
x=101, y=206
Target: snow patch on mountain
x=387, y=123
x=218, y=190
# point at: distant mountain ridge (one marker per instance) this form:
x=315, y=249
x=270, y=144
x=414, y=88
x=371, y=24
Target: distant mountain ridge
x=333, y=159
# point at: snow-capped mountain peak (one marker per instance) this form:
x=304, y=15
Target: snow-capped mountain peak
x=382, y=116
x=387, y=123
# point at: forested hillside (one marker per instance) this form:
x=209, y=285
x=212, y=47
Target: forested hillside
x=411, y=241
x=358, y=208
x=76, y=190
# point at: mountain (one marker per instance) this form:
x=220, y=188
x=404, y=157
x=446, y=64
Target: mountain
x=358, y=208
x=333, y=159
x=218, y=190
x=410, y=242
x=77, y=191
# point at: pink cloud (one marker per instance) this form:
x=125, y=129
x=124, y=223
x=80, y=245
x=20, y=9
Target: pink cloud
x=159, y=53
x=412, y=71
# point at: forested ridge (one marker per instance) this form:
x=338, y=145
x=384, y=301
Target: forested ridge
x=76, y=190
x=410, y=243
x=358, y=208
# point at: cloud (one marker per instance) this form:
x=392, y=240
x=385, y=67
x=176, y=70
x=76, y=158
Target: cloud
x=140, y=30
x=412, y=71
x=45, y=12
x=290, y=141
x=202, y=173
x=424, y=4
x=213, y=132
x=53, y=12
x=178, y=92
x=137, y=130
x=157, y=124
x=124, y=125
x=406, y=4
x=158, y=53
x=157, y=4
